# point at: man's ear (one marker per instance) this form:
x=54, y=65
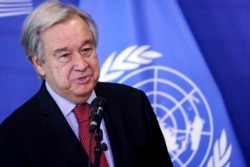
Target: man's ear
x=38, y=65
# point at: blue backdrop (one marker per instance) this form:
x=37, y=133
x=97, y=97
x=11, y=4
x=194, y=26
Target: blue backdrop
x=191, y=58
x=221, y=29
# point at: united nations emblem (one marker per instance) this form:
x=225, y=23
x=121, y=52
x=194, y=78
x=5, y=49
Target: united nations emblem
x=182, y=109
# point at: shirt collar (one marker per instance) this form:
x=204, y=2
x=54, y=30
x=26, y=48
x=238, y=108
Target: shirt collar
x=65, y=105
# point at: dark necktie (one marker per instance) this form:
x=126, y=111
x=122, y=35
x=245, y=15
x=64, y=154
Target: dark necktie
x=88, y=142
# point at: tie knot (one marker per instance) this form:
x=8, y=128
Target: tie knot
x=82, y=112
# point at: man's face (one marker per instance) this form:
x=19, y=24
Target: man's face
x=71, y=65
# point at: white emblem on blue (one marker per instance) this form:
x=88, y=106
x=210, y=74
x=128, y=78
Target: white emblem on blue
x=180, y=106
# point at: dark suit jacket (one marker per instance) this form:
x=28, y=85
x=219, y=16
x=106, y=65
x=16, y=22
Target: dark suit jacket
x=37, y=134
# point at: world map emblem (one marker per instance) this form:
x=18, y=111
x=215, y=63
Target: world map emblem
x=181, y=108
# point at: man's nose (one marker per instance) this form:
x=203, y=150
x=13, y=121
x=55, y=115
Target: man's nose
x=80, y=62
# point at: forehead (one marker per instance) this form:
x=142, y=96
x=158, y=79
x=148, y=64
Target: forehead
x=73, y=31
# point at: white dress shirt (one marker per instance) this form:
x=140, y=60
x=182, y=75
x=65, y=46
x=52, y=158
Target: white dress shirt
x=66, y=108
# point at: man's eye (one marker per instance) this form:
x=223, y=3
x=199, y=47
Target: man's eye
x=85, y=51
x=65, y=55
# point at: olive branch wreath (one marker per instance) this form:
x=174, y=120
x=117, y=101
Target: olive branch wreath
x=129, y=59
x=221, y=152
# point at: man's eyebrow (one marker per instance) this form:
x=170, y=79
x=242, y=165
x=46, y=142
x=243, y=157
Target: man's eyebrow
x=59, y=50
x=89, y=41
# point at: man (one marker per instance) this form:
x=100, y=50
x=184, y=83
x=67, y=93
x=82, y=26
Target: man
x=60, y=40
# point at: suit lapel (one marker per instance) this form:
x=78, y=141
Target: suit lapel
x=60, y=132
x=121, y=150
